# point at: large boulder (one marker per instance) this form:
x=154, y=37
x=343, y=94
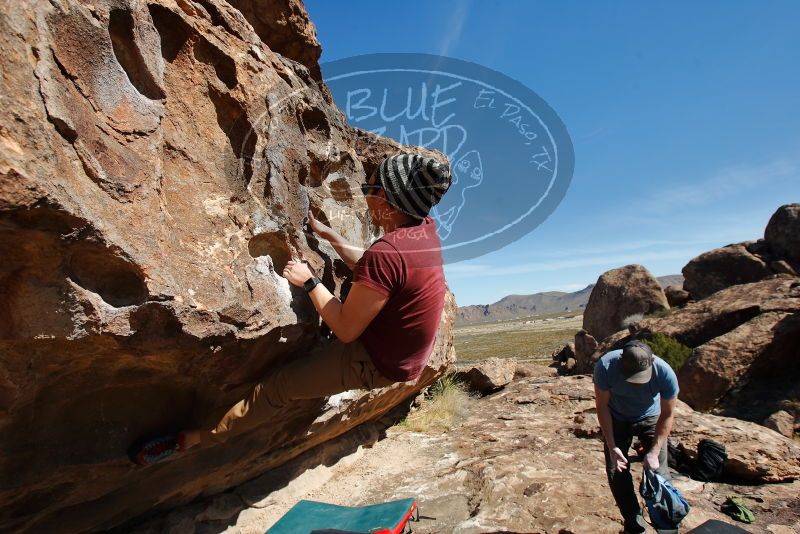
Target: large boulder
x=781, y=422
x=157, y=160
x=488, y=375
x=564, y=353
x=782, y=267
x=701, y=321
x=676, y=296
x=722, y=267
x=755, y=454
x=717, y=366
x=585, y=347
x=619, y=294
x=783, y=232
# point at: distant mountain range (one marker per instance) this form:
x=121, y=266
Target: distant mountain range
x=514, y=306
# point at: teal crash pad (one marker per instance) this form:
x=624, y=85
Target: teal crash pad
x=308, y=516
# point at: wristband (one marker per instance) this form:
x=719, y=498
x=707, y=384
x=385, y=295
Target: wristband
x=311, y=283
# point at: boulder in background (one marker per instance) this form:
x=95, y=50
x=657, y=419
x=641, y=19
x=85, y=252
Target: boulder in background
x=720, y=268
x=619, y=294
x=585, y=347
x=676, y=296
x=488, y=375
x=783, y=232
x=781, y=422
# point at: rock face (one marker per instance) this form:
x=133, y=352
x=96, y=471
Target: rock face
x=157, y=160
x=718, y=365
x=744, y=340
x=564, y=353
x=781, y=422
x=676, y=296
x=285, y=27
x=621, y=293
x=755, y=454
x=742, y=263
x=783, y=231
x=585, y=347
x=489, y=375
x=721, y=268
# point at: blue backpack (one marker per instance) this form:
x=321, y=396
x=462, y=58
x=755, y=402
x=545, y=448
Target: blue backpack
x=665, y=504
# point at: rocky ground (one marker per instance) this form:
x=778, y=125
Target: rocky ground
x=525, y=459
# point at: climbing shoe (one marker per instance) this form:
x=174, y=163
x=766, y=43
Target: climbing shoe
x=151, y=451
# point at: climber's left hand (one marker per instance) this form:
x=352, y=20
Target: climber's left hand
x=297, y=272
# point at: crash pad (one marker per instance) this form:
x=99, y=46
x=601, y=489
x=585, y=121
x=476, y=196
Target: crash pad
x=715, y=526
x=306, y=517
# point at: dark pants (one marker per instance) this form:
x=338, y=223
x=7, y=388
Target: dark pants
x=621, y=482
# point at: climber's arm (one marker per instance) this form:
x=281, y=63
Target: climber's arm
x=349, y=252
x=349, y=319
x=346, y=320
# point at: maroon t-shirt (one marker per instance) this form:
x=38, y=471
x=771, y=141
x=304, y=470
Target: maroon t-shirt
x=405, y=265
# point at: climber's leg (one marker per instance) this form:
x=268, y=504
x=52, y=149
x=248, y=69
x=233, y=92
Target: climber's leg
x=332, y=368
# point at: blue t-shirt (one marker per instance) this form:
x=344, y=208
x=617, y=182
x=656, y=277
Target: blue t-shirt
x=633, y=402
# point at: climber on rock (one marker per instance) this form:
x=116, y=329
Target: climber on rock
x=635, y=395
x=386, y=327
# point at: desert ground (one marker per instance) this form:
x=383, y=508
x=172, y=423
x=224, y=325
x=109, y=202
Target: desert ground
x=529, y=338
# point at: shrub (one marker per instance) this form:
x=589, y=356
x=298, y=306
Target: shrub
x=631, y=319
x=661, y=312
x=444, y=406
x=669, y=349
x=638, y=317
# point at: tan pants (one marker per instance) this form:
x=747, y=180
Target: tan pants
x=334, y=367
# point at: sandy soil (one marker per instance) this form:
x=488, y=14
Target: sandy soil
x=370, y=475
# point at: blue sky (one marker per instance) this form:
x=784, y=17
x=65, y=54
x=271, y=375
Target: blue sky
x=685, y=119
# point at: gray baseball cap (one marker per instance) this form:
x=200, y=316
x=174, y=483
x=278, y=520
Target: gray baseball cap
x=637, y=362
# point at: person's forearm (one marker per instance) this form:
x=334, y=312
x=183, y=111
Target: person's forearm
x=349, y=253
x=604, y=416
x=663, y=428
x=330, y=309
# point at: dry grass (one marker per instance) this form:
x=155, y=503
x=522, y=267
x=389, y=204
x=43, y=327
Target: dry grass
x=520, y=345
x=445, y=405
x=532, y=338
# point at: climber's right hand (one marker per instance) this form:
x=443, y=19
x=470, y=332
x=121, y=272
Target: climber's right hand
x=321, y=229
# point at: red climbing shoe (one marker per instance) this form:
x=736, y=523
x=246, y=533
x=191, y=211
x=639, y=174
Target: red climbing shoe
x=158, y=449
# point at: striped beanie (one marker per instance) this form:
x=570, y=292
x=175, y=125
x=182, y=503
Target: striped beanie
x=413, y=184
